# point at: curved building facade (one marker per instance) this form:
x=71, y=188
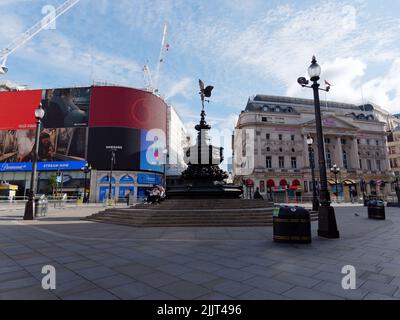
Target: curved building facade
x=80, y=126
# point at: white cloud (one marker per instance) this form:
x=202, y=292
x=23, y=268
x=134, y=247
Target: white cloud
x=183, y=87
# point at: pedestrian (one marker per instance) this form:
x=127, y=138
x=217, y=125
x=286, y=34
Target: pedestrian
x=257, y=194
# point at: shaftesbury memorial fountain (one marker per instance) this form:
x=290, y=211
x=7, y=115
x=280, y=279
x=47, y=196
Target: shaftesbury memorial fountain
x=188, y=204
x=204, y=179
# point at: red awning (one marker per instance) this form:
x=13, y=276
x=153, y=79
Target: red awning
x=270, y=183
x=283, y=182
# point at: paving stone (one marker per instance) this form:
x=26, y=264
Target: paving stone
x=379, y=277
x=198, y=277
x=379, y=287
x=35, y=292
x=158, y=279
x=95, y=294
x=258, y=294
x=233, y=274
x=228, y=287
x=295, y=269
x=73, y=287
x=337, y=290
x=158, y=295
x=269, y=284
x=300, y=293
x=204, y=266
x=185, y=290
x=96, y=272
x=261, y=271
x=174, y=269
x=18, y=283
x=132, y=290
x=297, y=280
x=113, y=281
x=134, y=270
x=377, y=296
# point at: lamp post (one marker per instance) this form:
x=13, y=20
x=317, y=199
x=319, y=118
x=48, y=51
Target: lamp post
x=111, y=174
x=327, y=226
x=30, y=205
x=310, y=142
x=86, y=169
x=165, y=153
x=335, y=170
x=363, y=187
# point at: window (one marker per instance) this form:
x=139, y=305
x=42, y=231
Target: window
x=280, y=137
x=281, y=162
x=293, y=150
x=268, y=163
x=268, y=136
x=345, y=162
x=292, y=137
x=328, y=159
x=268, y=149
x=361, y=164
x=369, y=165
x=377, y=142
x=264, y=119
x=305, y=186
x=327, y=140
x=367, y=141
x=294, y=163
x=343, y=141
x=358, y=141
x=280, y=150
x=378, y=165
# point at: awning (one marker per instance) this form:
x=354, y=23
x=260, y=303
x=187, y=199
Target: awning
x=7, y=186
x=295, y=188
x=330, y=181
x=280, y=188
x=349, y=182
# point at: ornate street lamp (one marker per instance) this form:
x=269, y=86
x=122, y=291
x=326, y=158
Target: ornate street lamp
x=30, y=205
x=310, y=142
x=327, y=226
x=335, y=170
x=165, y=153
x=86, y=169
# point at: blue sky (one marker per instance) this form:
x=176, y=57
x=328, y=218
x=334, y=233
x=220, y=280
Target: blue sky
x=241, y=47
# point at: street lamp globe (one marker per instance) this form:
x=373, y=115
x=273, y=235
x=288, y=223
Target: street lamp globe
x=39, y=113
x=314, y=70
x=310, y=141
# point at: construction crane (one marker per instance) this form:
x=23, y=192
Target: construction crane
x=150, y=84
x=30, y=33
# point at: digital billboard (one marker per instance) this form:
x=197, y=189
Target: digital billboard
x=152, y=145
x=127, y=142
x=17, y=109
x=127, y=107
x=66, y=108
x=64, y=128
x=79, y=124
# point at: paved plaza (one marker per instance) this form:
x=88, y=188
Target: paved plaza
x=104, y=261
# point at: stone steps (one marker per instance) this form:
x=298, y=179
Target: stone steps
x=206, y=204
x=184, y=218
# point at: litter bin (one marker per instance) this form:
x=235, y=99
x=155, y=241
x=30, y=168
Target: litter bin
x=41, y=206
x=376, y=210
x=292, y=225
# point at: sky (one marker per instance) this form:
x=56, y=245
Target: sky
x=242, y=48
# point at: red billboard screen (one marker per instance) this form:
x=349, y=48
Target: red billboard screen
x=126, y=107
x=17, y=109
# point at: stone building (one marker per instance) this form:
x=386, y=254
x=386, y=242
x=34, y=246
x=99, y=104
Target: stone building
x=271, y=151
